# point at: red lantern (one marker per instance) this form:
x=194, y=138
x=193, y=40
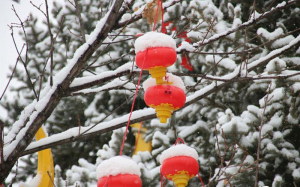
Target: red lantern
x=156, y=60
x=124, y=180
x=180, y=169
x=164, y=99
x=179, y=164
x=118, y=171
x=155, y=52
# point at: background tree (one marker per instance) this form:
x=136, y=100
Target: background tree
x=242, y=109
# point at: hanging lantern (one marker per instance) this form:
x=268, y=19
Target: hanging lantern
x=118, y=171
x=165, y=98
x=155, y=52
x=179, y=164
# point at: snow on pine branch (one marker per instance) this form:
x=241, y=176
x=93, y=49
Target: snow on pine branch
x=244, y=25
x=118, y=122
x=217, y=84
x=32, y=111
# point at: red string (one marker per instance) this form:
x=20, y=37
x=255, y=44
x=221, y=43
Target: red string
x=136, y=91
x=179, y=139
x=162, y=13
x=201, y=180
x=138, y=135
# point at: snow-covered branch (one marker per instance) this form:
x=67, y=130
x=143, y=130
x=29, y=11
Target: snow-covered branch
x=36, y=114
x=77, y=133
x=244, y=25
x=236, y=73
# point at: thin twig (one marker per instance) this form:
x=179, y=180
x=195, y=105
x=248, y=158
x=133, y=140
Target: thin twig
x=125, y=102
x=51, y=43
x=266, y=99
x=12, y=73
x=78, y=13
x=1, y=142
x=51, y=178
x=26, y=52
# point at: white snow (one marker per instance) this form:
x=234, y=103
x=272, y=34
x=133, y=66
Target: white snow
x=236, y=125
x=106, y=74
x=175, y=80
x=126, y=17
x=159, y=138
x=187, y=131
x=117, y=165
x=46, y=95
x=270, y=35
x=153, y=39
x=179, y=150
x=277, y=181
x=34, y=182
x=225, y=62
x=185, y=46
x=276, y=64
x=249, y=159
x=296, y=174
x=73, y=132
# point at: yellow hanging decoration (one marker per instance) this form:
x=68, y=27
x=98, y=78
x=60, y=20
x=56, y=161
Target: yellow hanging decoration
x=141, y=145
x=45, y=163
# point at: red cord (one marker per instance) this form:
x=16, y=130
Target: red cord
x=136, y=91
x=201, y=180
x=162, y=13
x=179, y=139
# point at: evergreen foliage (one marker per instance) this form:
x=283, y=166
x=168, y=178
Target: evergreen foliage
x=258, y=103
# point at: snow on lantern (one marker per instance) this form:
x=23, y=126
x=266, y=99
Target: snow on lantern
x=179, y=164
x=155, y=52
x=165, y=98
x=118, y=171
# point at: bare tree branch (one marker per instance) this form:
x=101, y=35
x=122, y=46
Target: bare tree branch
x=38, y=116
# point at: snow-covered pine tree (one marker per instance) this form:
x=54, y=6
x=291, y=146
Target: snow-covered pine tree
x=243, y=92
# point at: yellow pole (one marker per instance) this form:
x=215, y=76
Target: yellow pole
x=141, y=145
x=45, y=163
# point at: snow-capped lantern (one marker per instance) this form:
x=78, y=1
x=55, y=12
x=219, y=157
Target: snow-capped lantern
x=155, y=52
x=118, y=171
x=165, y=98
x=179, y=164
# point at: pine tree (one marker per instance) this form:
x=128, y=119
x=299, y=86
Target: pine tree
x=242, y=113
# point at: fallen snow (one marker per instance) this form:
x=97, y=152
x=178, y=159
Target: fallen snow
x=178, y=150
x=153, y=39
x=117, y=165
x=175, y=80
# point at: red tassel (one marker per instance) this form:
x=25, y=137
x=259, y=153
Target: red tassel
x=185, y=62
